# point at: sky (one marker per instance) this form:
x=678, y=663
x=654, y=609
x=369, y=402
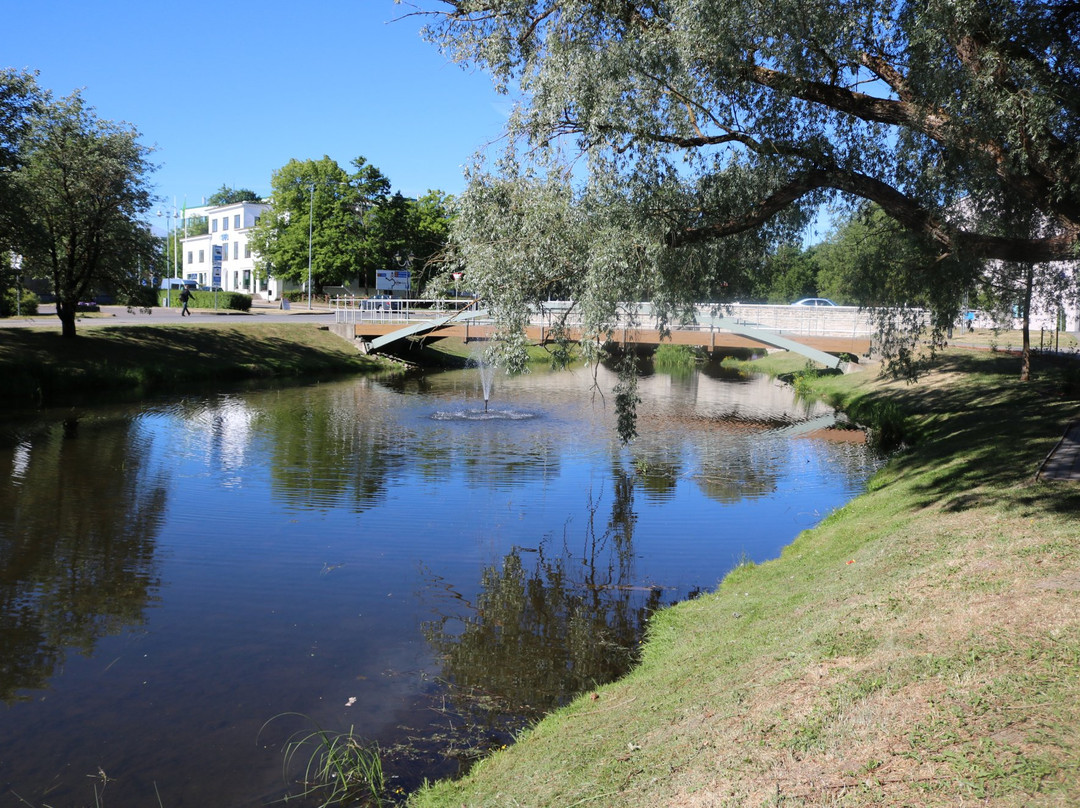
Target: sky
x=226, y=93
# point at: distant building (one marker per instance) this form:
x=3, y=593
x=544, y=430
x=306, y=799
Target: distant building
x=1055, y=304
x=223, y=258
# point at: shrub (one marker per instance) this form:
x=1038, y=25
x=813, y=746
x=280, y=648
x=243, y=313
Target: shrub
x=10, y=304
x=143, y=298
x=234, y=301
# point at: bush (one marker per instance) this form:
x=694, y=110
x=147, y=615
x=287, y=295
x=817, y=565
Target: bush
x=27, y=305
x=233, y=301
x=144, y=297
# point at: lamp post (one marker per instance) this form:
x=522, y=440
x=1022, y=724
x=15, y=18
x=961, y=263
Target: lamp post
x=176, y=266
x=311, y=217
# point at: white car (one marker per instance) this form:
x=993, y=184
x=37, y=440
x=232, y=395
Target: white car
x=813, y=301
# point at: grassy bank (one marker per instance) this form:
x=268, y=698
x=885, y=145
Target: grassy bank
x=39, y=368
x=921, y=646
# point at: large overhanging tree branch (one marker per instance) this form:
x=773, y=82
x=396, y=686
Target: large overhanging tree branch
x=936, y=100
x=903, y=209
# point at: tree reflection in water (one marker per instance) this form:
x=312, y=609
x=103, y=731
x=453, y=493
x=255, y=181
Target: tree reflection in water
x=538, y=634
x=78, y=524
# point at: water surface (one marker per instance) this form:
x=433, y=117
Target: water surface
x=380, y=554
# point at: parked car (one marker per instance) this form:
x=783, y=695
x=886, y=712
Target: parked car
x=178, y=283
x=813, y=301
x=381, y=303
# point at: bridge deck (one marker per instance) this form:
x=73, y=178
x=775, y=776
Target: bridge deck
x=818, y=334
x=540, y=335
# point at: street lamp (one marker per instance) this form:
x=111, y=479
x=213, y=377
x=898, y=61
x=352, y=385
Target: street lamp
x=311, y=217
x=176, y=266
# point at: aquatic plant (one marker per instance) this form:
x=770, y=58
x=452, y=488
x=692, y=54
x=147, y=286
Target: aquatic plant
x=338, y=767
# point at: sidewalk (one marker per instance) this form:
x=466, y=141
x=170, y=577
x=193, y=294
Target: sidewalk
x=1063, y=462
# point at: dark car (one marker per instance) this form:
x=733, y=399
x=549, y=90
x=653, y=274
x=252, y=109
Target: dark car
x=381, y=303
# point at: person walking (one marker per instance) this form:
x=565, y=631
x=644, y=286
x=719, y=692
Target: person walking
x=185, y=296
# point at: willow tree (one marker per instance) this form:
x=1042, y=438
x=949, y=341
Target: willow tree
x=707, y=120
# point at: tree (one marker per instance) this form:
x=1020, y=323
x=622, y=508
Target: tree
x=20, y=100
x=870, y=260
x=711, y=119
x=319, y=199
x=84, y=191
x=373, y=189
x=228, y=196
x=789, y=273
x=430, y=220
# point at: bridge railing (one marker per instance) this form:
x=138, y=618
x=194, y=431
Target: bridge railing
x=823, y=321
x=351, y=310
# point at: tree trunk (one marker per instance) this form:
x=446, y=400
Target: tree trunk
x=66, y=313
x=1025, y=356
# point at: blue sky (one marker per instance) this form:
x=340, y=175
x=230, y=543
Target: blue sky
x=228, y=92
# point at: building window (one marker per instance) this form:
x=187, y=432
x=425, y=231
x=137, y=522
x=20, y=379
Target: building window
x=224, y=252
x=213, y=225
x=224, y=222
x=190, y=257
x=202, y=257
x=235, y=250
x=247, y=251
x=236, y=221
x=236, y=280
x=247, y=278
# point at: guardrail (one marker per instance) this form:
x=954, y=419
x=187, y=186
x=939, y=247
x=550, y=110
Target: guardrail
x=814, y=321
x=351, y=310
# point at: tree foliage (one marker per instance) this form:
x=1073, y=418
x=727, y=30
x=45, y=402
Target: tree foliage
x=316, y=204
x=711, y=119
x=909, y=105
x=357, y=226
x=787, y=274
x=229, y=196
x=20, y=100
x=83, y=193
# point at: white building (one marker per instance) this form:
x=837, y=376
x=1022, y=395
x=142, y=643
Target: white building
x=223, y=258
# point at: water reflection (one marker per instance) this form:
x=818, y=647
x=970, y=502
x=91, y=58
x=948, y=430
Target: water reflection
x=548, y=623
x=78, y=522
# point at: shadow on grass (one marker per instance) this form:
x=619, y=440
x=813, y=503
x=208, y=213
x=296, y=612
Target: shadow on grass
x=987, y=433
x=41, y=368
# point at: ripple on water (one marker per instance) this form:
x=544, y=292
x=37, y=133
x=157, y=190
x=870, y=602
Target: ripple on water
x=483, y=415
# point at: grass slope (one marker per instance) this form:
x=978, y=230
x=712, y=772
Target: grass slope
x=921, y=646
x=40, y=368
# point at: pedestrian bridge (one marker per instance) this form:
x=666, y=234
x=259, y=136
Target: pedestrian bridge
x=819, y=333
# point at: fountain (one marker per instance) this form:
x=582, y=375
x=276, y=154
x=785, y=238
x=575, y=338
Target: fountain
x=487, y=379
x=487, y=376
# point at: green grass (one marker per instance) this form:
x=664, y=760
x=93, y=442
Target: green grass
x=677, y=357
x=919, y=647
x=40, y=368
x=332, y=768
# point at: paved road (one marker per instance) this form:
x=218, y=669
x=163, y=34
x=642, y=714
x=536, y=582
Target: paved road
x=120, y=315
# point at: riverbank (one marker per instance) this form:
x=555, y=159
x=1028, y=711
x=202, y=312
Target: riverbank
x=921, y=646
x=40, y=368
